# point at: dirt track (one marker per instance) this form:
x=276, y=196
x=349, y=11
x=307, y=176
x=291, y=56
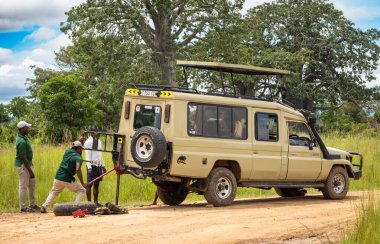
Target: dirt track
x=258, y=220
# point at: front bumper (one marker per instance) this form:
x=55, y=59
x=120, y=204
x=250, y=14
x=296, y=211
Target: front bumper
x=357, y=173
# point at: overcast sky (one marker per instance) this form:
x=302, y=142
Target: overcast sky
x=29, y=35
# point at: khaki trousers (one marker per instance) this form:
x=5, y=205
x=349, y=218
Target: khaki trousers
x=25, y=183
x=58, y=187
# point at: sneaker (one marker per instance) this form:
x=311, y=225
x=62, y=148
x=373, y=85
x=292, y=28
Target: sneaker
x=26, y=210
x=34, y=207
x=43, y=209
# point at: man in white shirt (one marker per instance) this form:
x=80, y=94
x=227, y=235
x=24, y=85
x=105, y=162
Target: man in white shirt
x=94, y=163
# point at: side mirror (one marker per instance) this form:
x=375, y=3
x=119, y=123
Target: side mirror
x=311, y=145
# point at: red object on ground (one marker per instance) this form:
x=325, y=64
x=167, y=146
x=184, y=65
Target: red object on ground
x=79, y=213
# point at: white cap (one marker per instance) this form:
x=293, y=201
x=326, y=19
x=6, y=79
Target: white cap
x=77, y=144
x=22, y=124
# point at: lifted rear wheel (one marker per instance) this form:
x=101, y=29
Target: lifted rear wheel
x=171, y=193
x=221, y=187
x=290, y=192
x=336, y=186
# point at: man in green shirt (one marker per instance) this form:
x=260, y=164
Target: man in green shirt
x=24, y=167
x=70, y=165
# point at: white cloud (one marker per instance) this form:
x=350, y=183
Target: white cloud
x=15, y=14
x=5, y=55
x=14, y=73
x=42, y=34
x=253, y=3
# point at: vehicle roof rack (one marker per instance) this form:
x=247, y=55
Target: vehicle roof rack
x=163, y=88
x=194, y=91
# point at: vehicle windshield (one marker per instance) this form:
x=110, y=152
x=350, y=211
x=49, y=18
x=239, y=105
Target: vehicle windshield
x=147, y=115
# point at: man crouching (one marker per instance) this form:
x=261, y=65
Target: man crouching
x=70, y=165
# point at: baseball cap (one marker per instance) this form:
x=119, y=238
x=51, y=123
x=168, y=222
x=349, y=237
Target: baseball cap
x=77, y=144
x=22, y=124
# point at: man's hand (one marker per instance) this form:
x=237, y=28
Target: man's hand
x=85, y=185
x=104, y=170
x=82, y=139
x=31, y=174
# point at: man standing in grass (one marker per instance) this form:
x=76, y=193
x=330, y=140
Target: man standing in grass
x=94, y=162
x=70, y=165
x=24, y=167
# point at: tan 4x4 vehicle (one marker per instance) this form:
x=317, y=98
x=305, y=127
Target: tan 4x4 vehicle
x=188, y=141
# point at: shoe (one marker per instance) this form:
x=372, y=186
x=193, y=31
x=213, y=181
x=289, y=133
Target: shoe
x=34, y=207
x=26, y=210
x=43, y=209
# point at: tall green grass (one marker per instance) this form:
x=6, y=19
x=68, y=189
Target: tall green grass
x=133, y=191
x=367, y=226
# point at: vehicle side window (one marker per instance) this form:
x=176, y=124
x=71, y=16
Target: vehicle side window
x=266, y=127
x=299, y=134
x=217, y=121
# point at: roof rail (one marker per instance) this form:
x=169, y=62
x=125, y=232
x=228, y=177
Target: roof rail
x=194, y=91
x=163, y=88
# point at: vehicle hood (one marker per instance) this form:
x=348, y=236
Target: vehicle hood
x=337, y=151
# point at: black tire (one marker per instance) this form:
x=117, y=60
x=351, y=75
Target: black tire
x=172, y=193
x=337, y=184
x=67, y=208
x=290, y=192
x=221, y=187
x=148, y=147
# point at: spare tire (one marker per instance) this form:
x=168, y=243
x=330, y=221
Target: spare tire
x=148, y=147
x=67, y=208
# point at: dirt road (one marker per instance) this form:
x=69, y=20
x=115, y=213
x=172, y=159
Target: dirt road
x=310, y=219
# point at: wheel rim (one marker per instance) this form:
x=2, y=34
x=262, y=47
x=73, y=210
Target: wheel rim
x=223, y=187
x=144, y=147
x=339, y=183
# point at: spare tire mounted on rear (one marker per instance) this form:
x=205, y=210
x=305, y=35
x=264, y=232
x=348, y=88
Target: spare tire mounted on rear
x=148, y=147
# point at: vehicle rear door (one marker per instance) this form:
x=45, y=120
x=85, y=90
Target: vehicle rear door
x=267, y=145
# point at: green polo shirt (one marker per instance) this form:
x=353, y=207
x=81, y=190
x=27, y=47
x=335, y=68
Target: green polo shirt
x=23, y=147
x=67, y=169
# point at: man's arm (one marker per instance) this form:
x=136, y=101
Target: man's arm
x=79, y=174
x=26, y=165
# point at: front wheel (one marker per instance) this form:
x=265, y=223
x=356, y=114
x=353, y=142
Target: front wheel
x=221, y=187
x=336, y=185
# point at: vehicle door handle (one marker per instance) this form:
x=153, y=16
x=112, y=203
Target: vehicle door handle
x=255, y=152
x=293, y=154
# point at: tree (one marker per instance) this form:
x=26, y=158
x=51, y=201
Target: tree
x=338, y=58
x=165, y=26
x=4, y=114
x=19, y=107
x=66, y=106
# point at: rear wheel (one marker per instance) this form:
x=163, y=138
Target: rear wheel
x=171, y=193
x=290, y=192
x=337, y=184
x=221, y=187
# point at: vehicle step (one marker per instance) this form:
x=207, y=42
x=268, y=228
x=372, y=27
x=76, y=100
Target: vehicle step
x=281, y=184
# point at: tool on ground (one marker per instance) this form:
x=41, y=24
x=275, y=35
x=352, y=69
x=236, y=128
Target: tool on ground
x=79, y=213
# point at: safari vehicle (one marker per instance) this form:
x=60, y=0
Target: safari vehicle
x=210, y=144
